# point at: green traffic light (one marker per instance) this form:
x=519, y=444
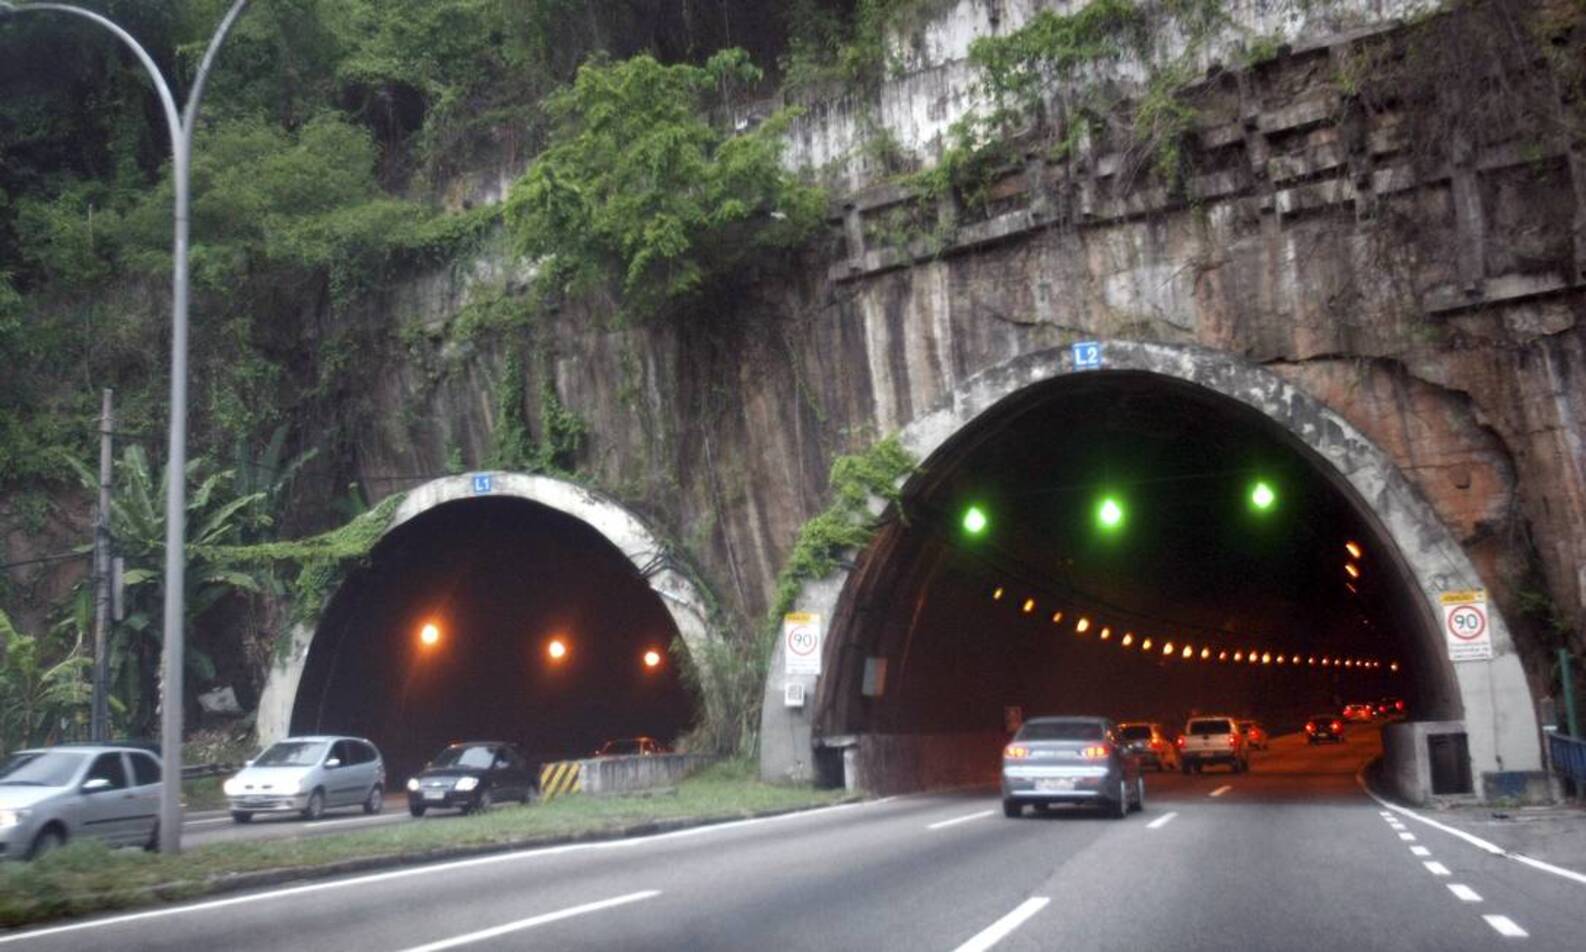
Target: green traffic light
x=975, y=520
x=1262, y=497
x=1110, y=513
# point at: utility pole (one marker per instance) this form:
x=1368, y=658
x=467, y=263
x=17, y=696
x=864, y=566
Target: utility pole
x=99, y=718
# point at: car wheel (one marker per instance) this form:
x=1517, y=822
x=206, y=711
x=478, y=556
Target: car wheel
x=241, y=816
x=376, y=800
x=1119, y=808
x=1012, y=808
x=316, y=806
x=1139, y=794
x=485, y=802
x=48, y=840
x=417, y=809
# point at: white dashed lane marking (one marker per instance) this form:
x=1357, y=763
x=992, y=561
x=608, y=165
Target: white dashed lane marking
x=1161, y=821
x=1506, y=927
x=1220, y=791
x=1436, y=868
x=1407, y=837
x=1420, y=851
x=960, y=819
x=1464, y=892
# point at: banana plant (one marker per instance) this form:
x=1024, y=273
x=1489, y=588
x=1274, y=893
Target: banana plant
x=45, y=688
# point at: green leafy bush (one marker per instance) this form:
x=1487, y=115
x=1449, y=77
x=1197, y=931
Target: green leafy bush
x=640, y=189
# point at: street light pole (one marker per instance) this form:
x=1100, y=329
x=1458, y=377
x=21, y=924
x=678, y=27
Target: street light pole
x=180, y=126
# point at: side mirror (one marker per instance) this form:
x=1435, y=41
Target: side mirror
x=96, y=784
x=333, y=762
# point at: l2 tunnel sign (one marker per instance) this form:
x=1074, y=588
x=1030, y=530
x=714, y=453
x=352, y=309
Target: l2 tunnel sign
x=1465, y=625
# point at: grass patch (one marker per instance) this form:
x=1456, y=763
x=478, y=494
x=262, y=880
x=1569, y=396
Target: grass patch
x=87, y=877
x=203, y=793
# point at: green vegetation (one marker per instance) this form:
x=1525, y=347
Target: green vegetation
x=39, y=693
x=84, y=878
x=640, y=190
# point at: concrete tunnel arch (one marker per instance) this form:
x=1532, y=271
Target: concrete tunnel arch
x=1491, y=701
x=655, y=561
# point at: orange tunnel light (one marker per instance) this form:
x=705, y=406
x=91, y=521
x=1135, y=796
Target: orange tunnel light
x=430, y=634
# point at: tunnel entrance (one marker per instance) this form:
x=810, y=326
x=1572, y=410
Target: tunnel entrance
x=554, y=624
x=1179, y=533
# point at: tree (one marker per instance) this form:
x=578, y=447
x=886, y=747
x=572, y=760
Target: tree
x=216, y=517
x=43, y=688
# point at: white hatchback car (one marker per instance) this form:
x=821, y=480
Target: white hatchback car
x=54, y=794
x=307, y=776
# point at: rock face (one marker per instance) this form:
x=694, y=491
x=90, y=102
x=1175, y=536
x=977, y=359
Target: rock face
x=1433, y=305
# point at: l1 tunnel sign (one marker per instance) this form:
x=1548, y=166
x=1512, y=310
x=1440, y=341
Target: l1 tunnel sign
x=801, y=637
x=1465, y=625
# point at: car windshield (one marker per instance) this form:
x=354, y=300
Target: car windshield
x=1214, y=726
x=625, y=746
x=292, y=753
x=1137, y=732
x=48, y=768
x=1061, y=730
x=481, y=757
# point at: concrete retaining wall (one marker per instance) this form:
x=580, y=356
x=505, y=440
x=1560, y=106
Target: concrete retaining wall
x=903, y=763
x=626, y=774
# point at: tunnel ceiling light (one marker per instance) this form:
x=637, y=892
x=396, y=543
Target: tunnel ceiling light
x=1145, y=645
x=1223, y=656
x=975, y=521
x=1313, y=661
x=996, y=596
x=1352, y=589
x=1352, y=570
x=557, y=649
x=430, y=634
x=652, y=658
x=1109, y=514
x=1393, y=666
x=1188, y=652
x=1083, y=625
x=1029, y=605
x=1266, y=657
x=1205, y=653
x=1167, y=649
x=1279, y=659
x=1239, y=656
x=1262, y=496
x=1057, y=617
x=1353, y=548
x=1105, y=634
x=1128, y=639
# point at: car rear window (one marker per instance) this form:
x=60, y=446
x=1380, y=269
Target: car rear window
x=1324, y=718
x=1137, y=732
x=1061, y=730
x=1212, y=726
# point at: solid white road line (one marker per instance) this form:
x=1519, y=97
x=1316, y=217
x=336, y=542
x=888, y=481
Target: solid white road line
x=425, y=870
x=960, y=819
x=1471, y=838
x=1161, y=821
x=999, y=930
x=1506, y=927
x=1464, y=892
x=1407, y=837
x=1420, y=851
x=1220, y=791
x=533, y=921
x=1435, y=868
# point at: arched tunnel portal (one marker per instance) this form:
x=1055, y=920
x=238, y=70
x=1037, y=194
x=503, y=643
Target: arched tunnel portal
x=1175, y=532
x=499, y=566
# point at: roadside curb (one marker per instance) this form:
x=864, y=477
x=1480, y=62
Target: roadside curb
x=194, y=890
x=1363, y=777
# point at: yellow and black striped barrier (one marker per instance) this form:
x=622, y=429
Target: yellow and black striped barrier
x=559, y=779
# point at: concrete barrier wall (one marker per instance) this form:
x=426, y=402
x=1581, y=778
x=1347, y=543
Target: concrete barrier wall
x=625, y=774
x=903, y=763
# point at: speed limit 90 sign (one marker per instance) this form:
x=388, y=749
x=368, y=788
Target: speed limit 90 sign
x=1465, y=627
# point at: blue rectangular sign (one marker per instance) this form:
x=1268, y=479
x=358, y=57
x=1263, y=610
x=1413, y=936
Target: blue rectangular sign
x=481, y=483
x=1087, y=355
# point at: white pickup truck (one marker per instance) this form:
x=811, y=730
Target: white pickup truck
x=1213, y=739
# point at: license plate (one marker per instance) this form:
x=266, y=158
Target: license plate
x=1054, y=785
x=435, y=794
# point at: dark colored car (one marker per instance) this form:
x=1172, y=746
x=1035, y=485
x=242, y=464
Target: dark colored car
x=1149, y=740
x=471, y=776
x=1056, y=760
x=1328, y=727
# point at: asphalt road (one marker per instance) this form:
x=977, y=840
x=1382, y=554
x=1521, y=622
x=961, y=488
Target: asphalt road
x=1290, y=856
x=199, y=829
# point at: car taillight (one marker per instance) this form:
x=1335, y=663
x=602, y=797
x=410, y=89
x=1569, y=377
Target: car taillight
x=1180, y=742
x=1016, y=752
x=1310, y=728
x=1399, y=705
x=1096, y=752
x=1337, y=726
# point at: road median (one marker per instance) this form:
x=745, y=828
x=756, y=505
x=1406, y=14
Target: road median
x=86, y=878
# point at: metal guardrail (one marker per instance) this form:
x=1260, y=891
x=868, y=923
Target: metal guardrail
x=1568, y=756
